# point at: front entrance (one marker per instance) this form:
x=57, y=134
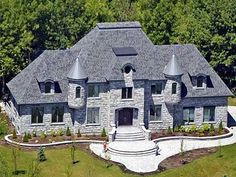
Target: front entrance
x=125, y=116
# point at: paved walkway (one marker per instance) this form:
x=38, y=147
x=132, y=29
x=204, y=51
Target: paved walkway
x=149, y=163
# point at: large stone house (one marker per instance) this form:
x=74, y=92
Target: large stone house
x=115, y=76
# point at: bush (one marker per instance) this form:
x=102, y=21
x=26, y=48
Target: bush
x=212, y=129
x=68, y=133
x=169, y=131
x=78, y=133
x=14, y=136
x=29, y=136
x=34, y=133
x=182, y=129
x=41, y=155
x=25, y=138
x=3, y=124
x=176, y=128
x=206, y=127
x=53, y=133
x=60, y=132
x=103, y=134
x=193, y=128
x=220, y=129
x=43, y=135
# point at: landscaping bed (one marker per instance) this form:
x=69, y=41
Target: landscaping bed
x=184, y=158
x=203, y=131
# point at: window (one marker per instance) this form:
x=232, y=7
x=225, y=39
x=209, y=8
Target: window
x=155, y=112
x=78, y=92
x=209, y=113
x=93, y=115
x=57, y=114
x=174, y=88
x=200, y=80
x=94, y=90
x=126, y=92
x=48, y=86
x=188, y=114
x=127, y=69
x=37, y=115
x=157, y=88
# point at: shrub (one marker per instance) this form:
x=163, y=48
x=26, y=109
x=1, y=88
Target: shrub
x=29, y=136
x=34, y=133
x=60, y=132
x=212, y=129
x=220, y=129
x=182, y=129
x=103, y=134
x=68, y=133
x=3, y=124
x=176, y=128
x=14, y=134
x=206, y=127
x=25, y=138
x=53, y=133
x=169, y=131
x=43, y=135
x=41, y=155
x=193, y=128
x=78, y=133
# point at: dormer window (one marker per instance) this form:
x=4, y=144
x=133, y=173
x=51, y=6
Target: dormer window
x=48, y=87
x=78, y=92
x=200, y=80
x=127, y=68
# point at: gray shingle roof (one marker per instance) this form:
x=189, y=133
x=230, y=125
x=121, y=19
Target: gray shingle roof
x=173, y=68
x=100, y=64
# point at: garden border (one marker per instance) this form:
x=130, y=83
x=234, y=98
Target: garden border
x=9, y=141
x=205, y=138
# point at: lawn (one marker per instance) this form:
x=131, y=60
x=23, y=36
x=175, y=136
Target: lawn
x=232, y=101
x=88, y=166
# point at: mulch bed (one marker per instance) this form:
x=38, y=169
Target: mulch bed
x=164, y=133
x=184, y=158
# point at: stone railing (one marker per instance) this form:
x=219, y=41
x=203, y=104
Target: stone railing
x=112, y=133
x=145, y=131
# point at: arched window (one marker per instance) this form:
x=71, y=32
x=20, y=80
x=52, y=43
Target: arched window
x=78, y=92
x=200, y=81
x=174, y=88
x=48, y=86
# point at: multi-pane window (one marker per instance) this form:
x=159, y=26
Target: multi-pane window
x=57, y=114
x=209, y=113
x=78, y=92
x=200, y=81
x=48, y=86
x=126, y=92
x=174, y=88
x=37, y=115
x=93, y=115
x=155, y=112
x=157, y=88
x=188, y=114
x=94, y=90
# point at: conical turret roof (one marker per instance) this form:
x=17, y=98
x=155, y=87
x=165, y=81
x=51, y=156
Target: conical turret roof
x=77, y=72
x=173, y=68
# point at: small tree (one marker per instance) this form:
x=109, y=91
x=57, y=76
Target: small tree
x=14, y=134
x=220, y=149
x=15, y=154
x=78, y=133
x=103, y=134
x=182, y=147
x=68, y=133
x=29, y=136
x=212, y=129
x=41, y=155
x=72, y=153
x=169, y=131
x=25, y=138
x=220, y=127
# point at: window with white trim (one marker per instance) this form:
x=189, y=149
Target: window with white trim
x=155, y=112
x=188, y=114
x=209, y=113
x=78, y=92
x=57, y=114
x=126, y=93
x=93, y=115
x=37, y=115
x=157, y=88
x=94, y=90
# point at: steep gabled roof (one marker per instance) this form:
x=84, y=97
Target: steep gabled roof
x=100, y=64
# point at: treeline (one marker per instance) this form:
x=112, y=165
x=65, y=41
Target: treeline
x=27, y=27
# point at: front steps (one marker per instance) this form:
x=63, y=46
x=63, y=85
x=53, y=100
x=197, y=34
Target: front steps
x=129, y=133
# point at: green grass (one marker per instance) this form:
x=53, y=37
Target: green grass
x=88, y=166
x=232, y=101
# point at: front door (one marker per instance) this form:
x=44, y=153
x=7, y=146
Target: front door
x=125, y=116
